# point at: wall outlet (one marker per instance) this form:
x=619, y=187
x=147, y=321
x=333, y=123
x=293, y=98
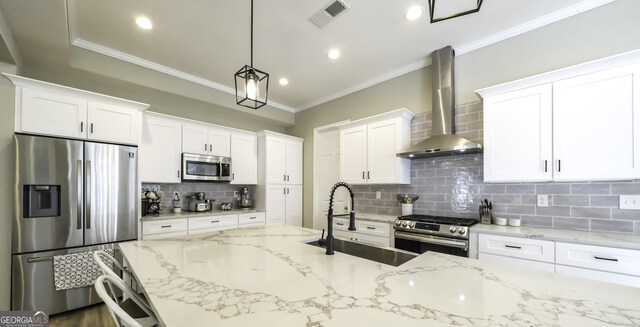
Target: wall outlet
x=378, y=195
x=236, y=194
x=630, y=202
x=543, y=200
x=176, y=196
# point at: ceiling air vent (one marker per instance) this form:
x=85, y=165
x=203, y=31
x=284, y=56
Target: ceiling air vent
x=329, y=13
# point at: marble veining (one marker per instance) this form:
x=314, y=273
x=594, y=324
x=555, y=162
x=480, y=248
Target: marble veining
x=267, y=275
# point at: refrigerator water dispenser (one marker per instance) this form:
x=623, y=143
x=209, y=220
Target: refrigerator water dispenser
x=41, y=201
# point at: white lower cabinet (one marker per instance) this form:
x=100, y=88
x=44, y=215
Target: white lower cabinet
x=367, y=232
x=251, y=219
x=283, y=204
x=164, y=228
x=529, y=264
x=607, y=264
x=198, y=225
x=620, y=266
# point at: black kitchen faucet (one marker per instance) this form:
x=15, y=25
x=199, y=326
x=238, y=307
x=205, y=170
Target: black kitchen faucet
x=352, y=217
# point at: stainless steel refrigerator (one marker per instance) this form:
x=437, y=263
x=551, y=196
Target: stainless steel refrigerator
x=71, y=197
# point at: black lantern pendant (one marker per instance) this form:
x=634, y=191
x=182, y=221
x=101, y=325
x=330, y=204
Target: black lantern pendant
x=437, y=18
x=253, y=83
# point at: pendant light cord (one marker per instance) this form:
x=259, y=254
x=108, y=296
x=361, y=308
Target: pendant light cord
x=251, y=33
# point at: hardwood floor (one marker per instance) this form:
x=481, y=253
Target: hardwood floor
x=93, y=316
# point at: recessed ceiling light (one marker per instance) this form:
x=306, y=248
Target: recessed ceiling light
x=333, y=54
x=283, y=81
x=144, y=23
x=414, y=13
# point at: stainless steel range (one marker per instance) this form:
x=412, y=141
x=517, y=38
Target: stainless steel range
x=422, y=233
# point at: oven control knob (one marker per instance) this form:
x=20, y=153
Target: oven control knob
x=398, y=222
x=452, y=229
x=405, y=224
x=462, y=231
x=412, y=224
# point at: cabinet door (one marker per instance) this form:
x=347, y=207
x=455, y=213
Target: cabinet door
x=382, y=146
x=294, y=205
x=112, y=123
x=517, y=136
x=244, y=159
x=53, y=114
x=219, y=142
x=276, y=203
x=195, y=139
x=594, y=119
x=160, y=151
x=276, y=161
x=353, y=155
x=294, y=162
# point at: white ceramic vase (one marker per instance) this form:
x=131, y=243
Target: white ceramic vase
x=407, y=209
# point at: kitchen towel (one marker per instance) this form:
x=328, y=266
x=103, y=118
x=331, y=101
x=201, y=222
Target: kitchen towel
x=76, y=270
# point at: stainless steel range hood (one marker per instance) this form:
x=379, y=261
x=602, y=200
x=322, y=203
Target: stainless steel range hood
x=443, y=142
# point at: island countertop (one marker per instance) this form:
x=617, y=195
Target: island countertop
x=267, y=276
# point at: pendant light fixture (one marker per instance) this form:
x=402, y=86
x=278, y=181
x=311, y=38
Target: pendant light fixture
x=253, y=83
x=459, y=11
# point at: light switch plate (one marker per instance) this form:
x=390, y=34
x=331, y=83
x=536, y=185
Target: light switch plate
x=630, y=202
x=378, y=195
x=543, y=200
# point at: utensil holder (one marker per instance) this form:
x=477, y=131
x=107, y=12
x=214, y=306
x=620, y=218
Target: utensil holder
x=407, y=209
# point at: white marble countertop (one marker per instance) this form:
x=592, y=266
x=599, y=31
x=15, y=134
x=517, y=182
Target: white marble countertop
x=619, y=240
x=267, y=276
x=187, y=214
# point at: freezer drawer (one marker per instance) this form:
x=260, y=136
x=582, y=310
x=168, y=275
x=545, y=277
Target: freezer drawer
x=32, y=286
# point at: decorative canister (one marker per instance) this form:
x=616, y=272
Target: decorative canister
x=407, y=209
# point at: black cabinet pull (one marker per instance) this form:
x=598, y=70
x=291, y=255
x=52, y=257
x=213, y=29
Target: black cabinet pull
x=91, y=128
x=340, y=224
x=251, y=218
x=559, y=166
x=81, y=127
x=363, y=175
x=210, y=147
x=165, y=226
x=545, y=166
x=178, y=173
x=369, y=227
x=215, y=221
x=368, y=175
x=513, y=247
x=605, y=259
x=205, y=147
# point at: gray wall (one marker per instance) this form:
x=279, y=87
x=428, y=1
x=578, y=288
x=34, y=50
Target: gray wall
x=7, y=182
x=605, y=31
x=453, y=186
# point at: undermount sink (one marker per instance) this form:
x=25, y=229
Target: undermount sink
x=386, y=256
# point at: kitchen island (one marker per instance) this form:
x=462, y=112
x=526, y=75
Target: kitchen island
x=268, y=276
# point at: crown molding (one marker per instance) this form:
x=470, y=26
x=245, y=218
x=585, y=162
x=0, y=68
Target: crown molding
x=84, y=44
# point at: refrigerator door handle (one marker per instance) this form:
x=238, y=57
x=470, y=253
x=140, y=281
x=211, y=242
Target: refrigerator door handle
x=39, y=259
x=79, y=204
x=88, y=199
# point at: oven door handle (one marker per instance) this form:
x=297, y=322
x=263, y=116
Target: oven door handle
x=433, y=240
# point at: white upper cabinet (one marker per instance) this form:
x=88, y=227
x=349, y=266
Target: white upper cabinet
x=517, y=135
x=281, y=158
x=244, y=158
x=160, y=149
x=582, y=127
x=49, y=109
x=369, y=147
x=114, y=123
x=594, y=119
x=53, y=114
x=202, y=139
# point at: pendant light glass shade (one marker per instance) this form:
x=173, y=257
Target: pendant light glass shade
x=253, y=83
x=252, y=87
x=452, y=9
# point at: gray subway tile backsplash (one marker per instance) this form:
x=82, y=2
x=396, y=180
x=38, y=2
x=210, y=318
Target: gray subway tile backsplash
x=453, y=186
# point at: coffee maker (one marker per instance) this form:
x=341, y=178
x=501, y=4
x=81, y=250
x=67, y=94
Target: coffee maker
x=245, y=200
x=198, y=203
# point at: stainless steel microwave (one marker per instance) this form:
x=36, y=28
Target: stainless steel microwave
x=198, y=167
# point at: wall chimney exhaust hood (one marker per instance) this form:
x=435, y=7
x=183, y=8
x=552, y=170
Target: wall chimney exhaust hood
x=443, y=141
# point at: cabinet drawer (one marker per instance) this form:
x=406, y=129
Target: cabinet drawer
x=529, y=264
x=599, y=258
x=254, y=218
x=341, y=223
x=373, y=228
x=343, y=235
x=602, y=276
x=213, y=223
x=164, y=226
x=515, y=247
